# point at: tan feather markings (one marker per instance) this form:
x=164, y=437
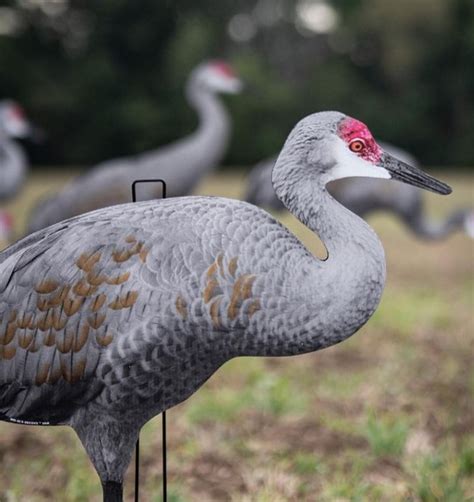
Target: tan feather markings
x=72, y=305
x=96, y=279
x=241, y=291
x=64, y=341
x=247, y=284
x=66, y=370
x=209, y=290
x=220, y=263
x=81, y=338
x=216, y=279
x=122, y=256
x=212, y=270
x=9, y=333
x=87, y=261
x=95, y=321
x=47, y=321
x=7, y=352
x=57, y=303
x=120, y=279
x=78, y=371
x=50, y=339
x=81, y=288
x=59, y=321
x=104, y=339
x=45, y=287
x=130, y=299
x=54, y=375
x=25, y=321
x=232, y=266
x=143, y=254
x=42, y=374
x=215, y=313
x=24, y=340
x=34, y=345
x=42, y=304
x=124, y=302
x=182, y=307
x=98, y=302
x=255, y=306
x=58, y=298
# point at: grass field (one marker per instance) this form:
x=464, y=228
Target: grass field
x=386, y=416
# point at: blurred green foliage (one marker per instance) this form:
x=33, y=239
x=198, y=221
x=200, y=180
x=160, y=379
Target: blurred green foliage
x=106, y=78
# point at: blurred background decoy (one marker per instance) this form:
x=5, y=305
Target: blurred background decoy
x=13, y=159
x=181, y=164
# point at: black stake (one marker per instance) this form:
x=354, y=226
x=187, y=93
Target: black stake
x=137, y=469
x=137, y=447
x=163, y=449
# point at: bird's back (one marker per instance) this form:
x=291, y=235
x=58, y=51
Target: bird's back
x=91, y=305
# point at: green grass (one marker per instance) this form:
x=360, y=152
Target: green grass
x=441, y=477
x=386, y=436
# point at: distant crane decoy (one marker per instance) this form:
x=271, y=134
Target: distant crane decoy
x=13, y=161
x=181, y=164
x=365, y=197
x=111, y=317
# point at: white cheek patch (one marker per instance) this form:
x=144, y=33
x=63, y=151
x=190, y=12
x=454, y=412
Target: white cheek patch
x=349, y=164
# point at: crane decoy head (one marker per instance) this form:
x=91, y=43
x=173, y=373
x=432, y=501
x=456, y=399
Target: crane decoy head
x=335, y=146
x=217, y=76
x=13, y=119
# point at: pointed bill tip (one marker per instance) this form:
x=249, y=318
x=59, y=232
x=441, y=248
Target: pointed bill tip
x=413, y=175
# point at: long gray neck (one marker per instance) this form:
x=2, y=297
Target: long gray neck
x=201, y=151
x=341, y=293
x=12, y=167
x=211, y=138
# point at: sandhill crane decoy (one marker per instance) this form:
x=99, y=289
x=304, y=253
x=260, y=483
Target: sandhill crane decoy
x=111, y=317
x=6, y=229
x=13, y=161
x=365, y=197
x=181, y=164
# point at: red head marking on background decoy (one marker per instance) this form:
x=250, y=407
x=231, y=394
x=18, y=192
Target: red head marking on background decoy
x=16, y=111
x=360, y=140
x=6, y=221
x=223, y=68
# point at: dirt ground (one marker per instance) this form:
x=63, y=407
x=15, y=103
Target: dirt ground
x=386, y=416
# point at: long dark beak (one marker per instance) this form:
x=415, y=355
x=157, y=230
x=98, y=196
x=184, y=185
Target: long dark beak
x=412, y=175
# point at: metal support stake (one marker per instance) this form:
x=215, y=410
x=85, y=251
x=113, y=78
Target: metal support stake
x=163, y=415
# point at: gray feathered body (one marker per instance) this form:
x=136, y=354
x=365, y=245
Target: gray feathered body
x=109, y=318
x=181, y=164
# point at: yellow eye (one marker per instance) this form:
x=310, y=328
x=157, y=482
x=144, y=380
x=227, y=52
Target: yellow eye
x=356, y=145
